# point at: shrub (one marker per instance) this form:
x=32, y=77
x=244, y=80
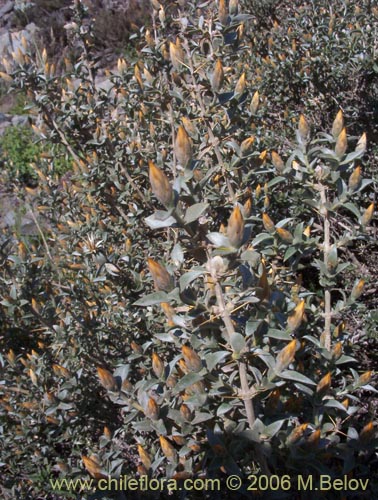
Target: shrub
x=191, y=296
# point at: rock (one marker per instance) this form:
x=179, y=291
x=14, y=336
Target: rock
x=11, y=42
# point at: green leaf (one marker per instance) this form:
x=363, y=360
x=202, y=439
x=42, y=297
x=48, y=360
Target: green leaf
x=177, y=254
x=195, y=211
x=160, y=219
x=190, y=276
x=214, y=358
x=187, y=380
x=352, y=208
x=152, y=298
x=261, y=237
x=279, y=334
x=296, y=377
x=345, y=359
x=275, y=180
x=219, y=240
x=272, y=429
x=237, y=342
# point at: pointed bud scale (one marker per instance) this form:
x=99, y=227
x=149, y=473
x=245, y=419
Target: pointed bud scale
x=286, y=356
x=357, y=289
x=192, y=360
x=222, y=12
x=285, y=235
x=176, y=54
x=364, y=378
x=106, y=379
x=247, y=207
x=355, y=179
x=362, y=143
x=186, y=412
x=303, y=128
x=297, y=433
x=337, y=350
x=246, y=146
x=278, y=163
x=183, y=147
x=218, y=76
x=367, y=433
x=263, y=284
x=157, y=365
x=324, y=384
x=149, y=39
x=341, y=143
x=233, y=7
x=338, y=124
x=144, y=457
x=268, y=223
x=255, y=102
x=240, y=86
x=162, y=278
x=258, y=191
x=235, y=227
x=160, y=184
x=367, y=215
x=92, y=466
x=168, y=449
x=152, y=410
x=295, y=319
x=138, y=76
x=189, y=126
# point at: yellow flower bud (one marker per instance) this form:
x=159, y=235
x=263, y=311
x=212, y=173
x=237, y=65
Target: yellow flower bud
x=341, y=143
x=152, y=410
x=162, y=278
x=286, y=356
x=144, y=457
x=235, y=227
x=278, y=163
x=255, y=102
x=367, y=215
x=355, y=179
x=106, y=379
x=303, y=128
x=338, y=124
x=157, y=365
x=285, y=235
x=240, y=86
x=192, y=360
x=296, y=318
x=218, y=76
x=160, y=184
x=268, y=223
x=324, y=384
x=183, y=147
x=168, y=449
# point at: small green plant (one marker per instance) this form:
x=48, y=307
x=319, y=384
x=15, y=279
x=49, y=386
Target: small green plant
x=19, y=151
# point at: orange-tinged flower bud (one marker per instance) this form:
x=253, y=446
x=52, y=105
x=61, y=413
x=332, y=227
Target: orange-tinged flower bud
x=235, y=227
x=345, y=403
x=138, y=77
x=233, y=7
x=161, y=277
x=263, y=285
x=278, y=163
x=192, y=360
x=297, y=433
x=296, y=318
x=367, y=215
x=255, y=102
x=11, y=357
x=186, y=412
x=268, y=223
x=176, y=54
x=258, y=191
x=240, y=86
x=107, y=433
x=183, y=147
x=285, y=235
x=367, y=433
x=341, y=143
x=152, y=409
x=160, y=184
x=93, y=467
x=144, y=457
x=303, y=128
x=355, y=179
x=357, y=289
x=337, y=350
x=61, y=371
x=168, y=449
x=324, y=384
x=247, y=207
x=157, y=365
x=313, y=439
x=218, y=76
x=106, y=379
x=189, y=126
x=222, y=12
x=136, y=347
x=362, y=143
x=286, y=356
x=338, y=124
x=246, y=146
x=364, y=378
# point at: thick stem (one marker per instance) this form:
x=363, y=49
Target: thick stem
x=326, y=248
